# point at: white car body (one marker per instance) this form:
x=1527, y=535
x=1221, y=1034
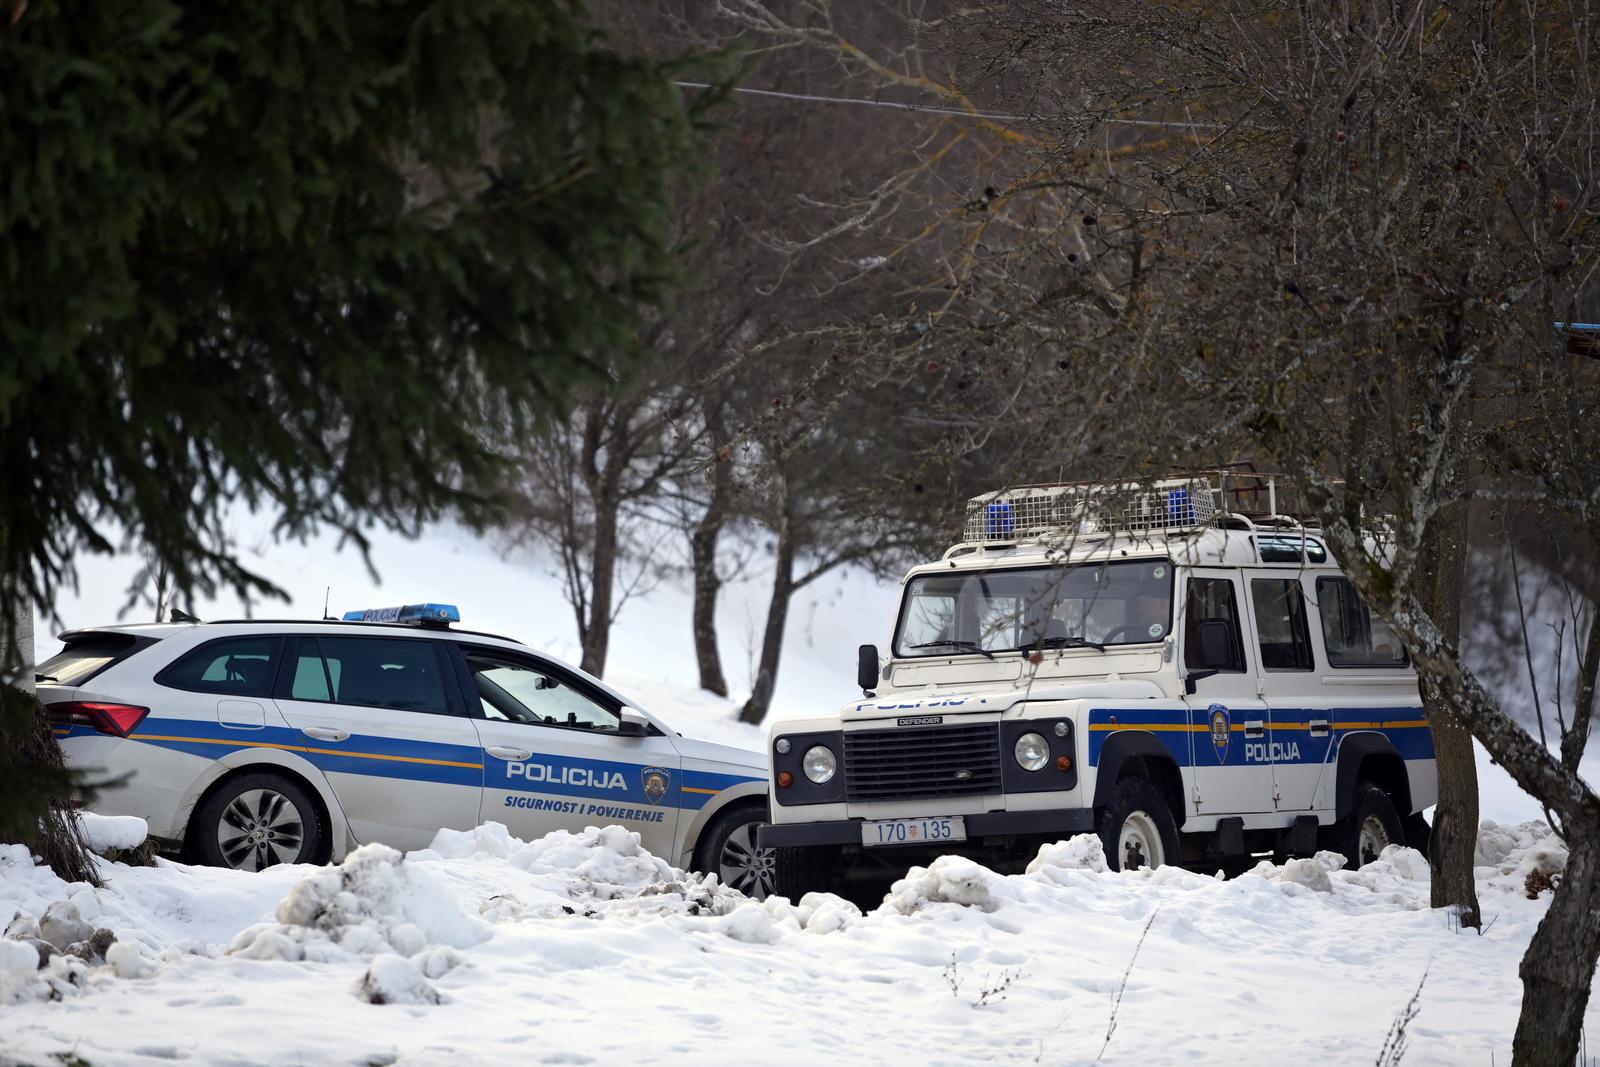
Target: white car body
x=383, y=773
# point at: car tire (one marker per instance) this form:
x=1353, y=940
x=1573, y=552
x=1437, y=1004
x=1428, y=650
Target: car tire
x=801, y=870
x=727, y=848
x=1136, y=827
x=1371, y=825
x=259, y=820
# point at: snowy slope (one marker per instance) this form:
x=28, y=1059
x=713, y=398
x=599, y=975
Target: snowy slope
x=583, y=949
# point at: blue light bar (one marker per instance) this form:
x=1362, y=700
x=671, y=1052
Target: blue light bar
x=1002, y=519
x=416, y=614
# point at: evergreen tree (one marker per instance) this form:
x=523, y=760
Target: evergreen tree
x=312, y=256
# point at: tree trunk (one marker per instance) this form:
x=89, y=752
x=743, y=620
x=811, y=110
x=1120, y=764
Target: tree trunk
x=703, y=565
x=766, y=680
x=36, y=790
x=1559, y=964
x=602, y=580
x=1454, y=839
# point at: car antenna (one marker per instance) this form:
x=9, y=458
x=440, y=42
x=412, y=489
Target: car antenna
x=179, y=615
x=327, y=591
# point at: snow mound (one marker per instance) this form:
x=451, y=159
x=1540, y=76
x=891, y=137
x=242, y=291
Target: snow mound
x=1081, y=853
x=376, y=901
x=392, y=979
x=602, y=870
x=948, y=880
x=1518, y=850
x=110, y=833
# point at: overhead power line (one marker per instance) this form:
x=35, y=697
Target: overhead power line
x=933, y=109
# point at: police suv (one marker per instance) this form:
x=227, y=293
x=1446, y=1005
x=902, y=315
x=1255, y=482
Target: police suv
x=1192, y=681
x=253, y=743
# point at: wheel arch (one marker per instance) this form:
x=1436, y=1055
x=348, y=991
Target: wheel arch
x=751, y=794
x=270, y=761
x=1370, y=756
x=1138, y=753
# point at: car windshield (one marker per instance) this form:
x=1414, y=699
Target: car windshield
x=1127, y=602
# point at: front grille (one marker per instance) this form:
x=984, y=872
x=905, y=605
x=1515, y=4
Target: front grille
x=922, y=762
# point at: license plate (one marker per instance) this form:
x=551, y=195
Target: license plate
x=914, y=831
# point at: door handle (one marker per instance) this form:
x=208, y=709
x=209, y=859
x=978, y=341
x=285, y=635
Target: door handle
x=1319, y=727
x=507, y=753
x=1255, y=728
x=325, y=733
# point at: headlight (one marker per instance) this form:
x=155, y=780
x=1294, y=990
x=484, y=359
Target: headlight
x=1032, y=752
x=819, y=763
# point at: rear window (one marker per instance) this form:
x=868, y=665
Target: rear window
x=236, y=666
x=1352, y=635
x=86, y=657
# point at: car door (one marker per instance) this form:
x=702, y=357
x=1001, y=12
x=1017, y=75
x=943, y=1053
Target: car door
x=384, y=720
x=1298, y=710
x=553, y=756
x=1232, y=769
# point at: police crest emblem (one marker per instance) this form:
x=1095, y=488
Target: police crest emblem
x=1221, y=729
x=656, y=781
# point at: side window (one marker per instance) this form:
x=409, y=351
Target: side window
x=1281, y=617
x=511, y=690
x=1353, y=636
x=372, y=672
x=1211, y=599
x=234, y=666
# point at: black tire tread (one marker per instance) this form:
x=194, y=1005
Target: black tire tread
x=313, y=850
x=1130, y=795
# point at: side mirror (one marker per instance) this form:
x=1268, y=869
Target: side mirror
x=867, y=668
x=1214, y=639
x=632, y=724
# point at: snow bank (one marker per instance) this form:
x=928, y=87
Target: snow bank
x=107, y=833
x=546, y=939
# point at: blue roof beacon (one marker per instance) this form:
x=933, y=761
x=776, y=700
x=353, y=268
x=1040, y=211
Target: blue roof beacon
x=410, y=614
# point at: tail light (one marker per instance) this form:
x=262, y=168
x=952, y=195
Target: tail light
x=117, y=720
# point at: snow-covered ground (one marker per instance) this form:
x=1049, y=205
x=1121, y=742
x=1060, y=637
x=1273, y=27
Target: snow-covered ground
x=583, y=949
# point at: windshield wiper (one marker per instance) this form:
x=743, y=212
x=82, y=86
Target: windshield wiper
x=45, y=678
x=965, y=646
x=1062, y=642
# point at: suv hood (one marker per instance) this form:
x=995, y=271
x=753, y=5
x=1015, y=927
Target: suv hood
x=981, y=701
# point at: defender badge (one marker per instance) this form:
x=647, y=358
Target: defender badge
x=656, y=780
x=1221, y=729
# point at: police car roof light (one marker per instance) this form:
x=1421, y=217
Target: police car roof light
x=412, y=614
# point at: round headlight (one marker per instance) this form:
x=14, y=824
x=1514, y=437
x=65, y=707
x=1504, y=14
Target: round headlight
x=1032, y=752
x=783, y=746
x=819, y=763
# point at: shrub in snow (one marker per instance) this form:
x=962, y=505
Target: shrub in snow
x=1081, y=853
x=392, y=979
x=948, y=880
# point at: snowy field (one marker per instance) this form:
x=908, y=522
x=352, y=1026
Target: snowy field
x=582, y=949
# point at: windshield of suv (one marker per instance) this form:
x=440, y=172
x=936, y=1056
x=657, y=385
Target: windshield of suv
x=1127, y=602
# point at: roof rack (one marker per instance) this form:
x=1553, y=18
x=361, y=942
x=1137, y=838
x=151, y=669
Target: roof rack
x=1181, y=503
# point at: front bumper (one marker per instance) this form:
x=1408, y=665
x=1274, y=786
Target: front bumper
x=1065, y=821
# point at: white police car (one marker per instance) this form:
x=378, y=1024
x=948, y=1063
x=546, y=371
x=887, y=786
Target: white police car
x=253, y=743
x=1177, y=667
